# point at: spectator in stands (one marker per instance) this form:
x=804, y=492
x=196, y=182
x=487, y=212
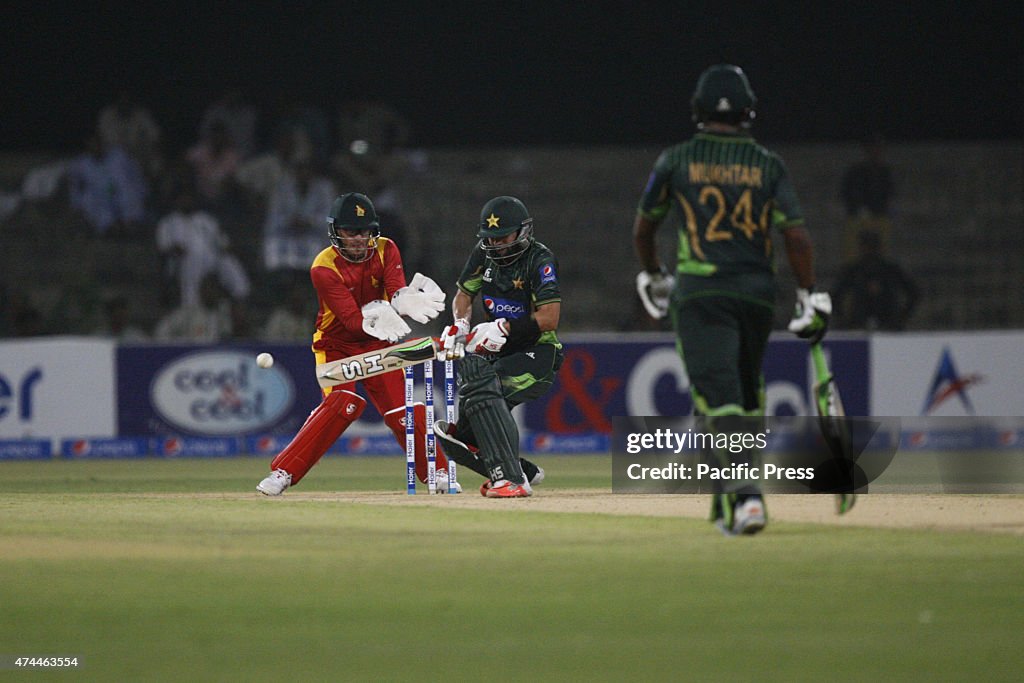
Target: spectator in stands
x=376, y=124
x=873, y=292
x=312, y=131
x=215, y=161
x=238, y=119
x=26, y=319
x=5, y=311
x=130, y=126
x=193, y=246
x=260, y=175
x=867, y=191
x=296, y=223
x=289, y=322
x=209, y=320
x=108, y=188
x=117, y=323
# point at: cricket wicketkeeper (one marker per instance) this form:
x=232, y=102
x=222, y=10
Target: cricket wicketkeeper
x=362, y=293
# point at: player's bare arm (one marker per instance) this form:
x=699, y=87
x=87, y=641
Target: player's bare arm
x=462, y=305
x=653, y=283
x=645, y=244
x=800, y=253
x=547, y=316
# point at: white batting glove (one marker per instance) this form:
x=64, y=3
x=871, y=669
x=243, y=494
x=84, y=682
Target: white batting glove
x=452, y=344
x=422, y=300
x=654, y=290
x=487, y=337
x=380, y=320
x=810, y=319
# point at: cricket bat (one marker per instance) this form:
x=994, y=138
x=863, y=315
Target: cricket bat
x=371, y=363
x=834, y=428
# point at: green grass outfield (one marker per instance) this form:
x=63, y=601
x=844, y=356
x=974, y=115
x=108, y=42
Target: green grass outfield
x=176, y=570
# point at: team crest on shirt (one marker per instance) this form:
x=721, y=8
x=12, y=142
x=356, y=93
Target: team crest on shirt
x=374, y=281
x=547, y=273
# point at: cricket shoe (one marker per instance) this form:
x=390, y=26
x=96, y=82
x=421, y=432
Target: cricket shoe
x=845, y=502
x=443, y=485
x=734, y=518
x=536, y=479
x=275, y=483
x=749, y=517
x=503, y=488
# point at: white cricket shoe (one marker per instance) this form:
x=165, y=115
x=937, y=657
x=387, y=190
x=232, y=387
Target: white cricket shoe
x=442, y=482
x=275, y=483
x=539, y=477
x=749, y=517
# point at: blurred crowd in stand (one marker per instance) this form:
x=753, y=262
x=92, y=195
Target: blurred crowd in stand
x=235, y=216
x=152, y=241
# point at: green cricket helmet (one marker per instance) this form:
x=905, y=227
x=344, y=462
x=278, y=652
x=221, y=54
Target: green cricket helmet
x=501, y=217
x=353, y=212
x=724, y=94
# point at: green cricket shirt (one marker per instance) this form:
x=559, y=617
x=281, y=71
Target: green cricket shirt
x=729, y=192
x=514, y=290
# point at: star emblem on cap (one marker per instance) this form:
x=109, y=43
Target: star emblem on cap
x=492, y=221
x=360, y=211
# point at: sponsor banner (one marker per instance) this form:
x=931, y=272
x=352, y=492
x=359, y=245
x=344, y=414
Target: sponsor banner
x=610, y=375
x=52, y=388
x=191, y=447
x=26, y=449
x=266, y=444
x=947, y=375
x=213, y=391
x=367, y=445
x=269, y=445
x=567, y=443
x=105, y=448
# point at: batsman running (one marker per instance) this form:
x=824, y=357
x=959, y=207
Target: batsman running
x=363, y=295
x=509, y=359
x=730, y=194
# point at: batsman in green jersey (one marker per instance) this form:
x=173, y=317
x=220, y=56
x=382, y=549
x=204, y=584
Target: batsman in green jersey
x=731, y=195
x=510, y=358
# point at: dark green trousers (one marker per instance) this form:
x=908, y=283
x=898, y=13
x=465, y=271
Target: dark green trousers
x=722, y=340
x=528, y=374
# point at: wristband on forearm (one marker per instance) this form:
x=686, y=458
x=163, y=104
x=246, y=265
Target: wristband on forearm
x=523, y=331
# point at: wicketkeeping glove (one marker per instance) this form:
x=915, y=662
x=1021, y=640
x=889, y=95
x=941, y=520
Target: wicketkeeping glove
x=422, y=300
x=452, y=344
x=654, y=290
x=380, y=320
x=487, y=337
x=810, y=319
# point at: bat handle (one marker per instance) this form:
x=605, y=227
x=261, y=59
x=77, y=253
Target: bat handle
x=820, y=364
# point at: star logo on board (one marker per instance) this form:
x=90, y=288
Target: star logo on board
x=948, y=382
x=492, y=221
x=360, y=211
x=517, y=283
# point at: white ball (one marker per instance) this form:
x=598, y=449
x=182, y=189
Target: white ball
x=264, y=360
